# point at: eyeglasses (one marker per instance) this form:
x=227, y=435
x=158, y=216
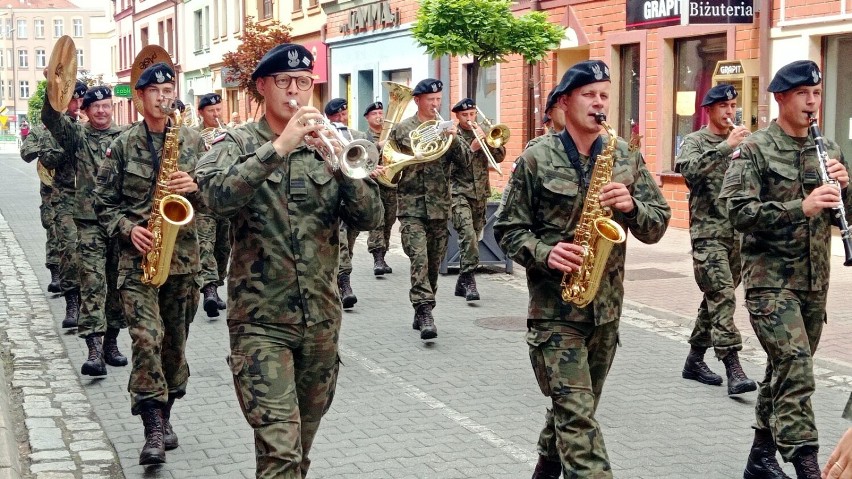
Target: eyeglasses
x=283, y=81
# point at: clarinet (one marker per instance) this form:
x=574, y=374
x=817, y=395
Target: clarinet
x=838, y=213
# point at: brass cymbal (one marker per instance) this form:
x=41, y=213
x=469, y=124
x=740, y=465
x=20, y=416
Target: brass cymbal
x=146, y=57
x=62, y=73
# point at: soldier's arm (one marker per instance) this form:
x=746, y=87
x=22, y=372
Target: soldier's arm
x=515, y=217
x=52, y=155
x=198, y=147
x=360, y=204
x=108, y=196
x=64, y=131
x=651, y=213
x=695, y=164
x=499, y=154
x=30, y=148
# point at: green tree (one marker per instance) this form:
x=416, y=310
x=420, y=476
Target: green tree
x=35, y=103
x=257, y=40
x=484, y=29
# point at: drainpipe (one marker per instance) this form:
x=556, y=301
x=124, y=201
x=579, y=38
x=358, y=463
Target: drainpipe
x=765, y=63
x=534, y=108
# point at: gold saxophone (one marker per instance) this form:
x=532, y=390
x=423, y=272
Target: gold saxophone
x=169, y=212
x=596, y=232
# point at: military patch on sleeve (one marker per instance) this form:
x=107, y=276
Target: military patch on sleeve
x=733, y=180
x=735, y=154
x=109, y=153
x=218, y=139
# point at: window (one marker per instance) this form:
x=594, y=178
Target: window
x=58, y=28
x=78, y=27
x=695, y=60
x=170, y=34
x=41, y=58
x=216, y=15
x=237, y=15
x=80, y=58
x=7, y=33
x=25, y=88
x=297, y=5
x=223, y=18
x=199, y=32
x=143, y=36
x=629, y=90
x=39, y=28
x=486, y=90
x=266, y=9
x=2, y=58
x=23, y=60
x=206, y=27
x=313, y=3
x=22, y=28
x=161, y=32
x=2, y=89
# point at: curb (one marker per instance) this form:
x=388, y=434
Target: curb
x=10, y=467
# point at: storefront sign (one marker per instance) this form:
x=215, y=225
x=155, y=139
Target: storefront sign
x=373, y=16
x=122, y=90
x=720, y=11
x=664, y=13
x=653, y=13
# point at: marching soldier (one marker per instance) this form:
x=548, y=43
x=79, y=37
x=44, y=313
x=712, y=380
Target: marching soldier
x=379, y=239
x=214, y=244
x=703, y=160
x=470, y=192
x=65, y=188
x=101, y=318
x=572, y=348
x=553, y=120
x=284, y=313
x=424, y=205
x=158, y=317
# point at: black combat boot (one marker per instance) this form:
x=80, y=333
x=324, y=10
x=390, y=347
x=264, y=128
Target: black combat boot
x=460, y=289
x=154, y=450
x=112, y=355
x=388, y=269
x=346, y=295
x=695, y=368
x=470, y=292
x=762, y=463
x=427, y=322
x=72, y=309
x=94, y=365
x=738, y=382
x=220, y=303
x=547, y=469
x=211, y=306
x=170, y=439
x=54, y=287
x=378, y=263
x=807, y=464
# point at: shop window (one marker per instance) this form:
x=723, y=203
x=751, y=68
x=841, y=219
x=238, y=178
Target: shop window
x=628, y=111
x=266, y=9
x=695, y=60
x=486, y=91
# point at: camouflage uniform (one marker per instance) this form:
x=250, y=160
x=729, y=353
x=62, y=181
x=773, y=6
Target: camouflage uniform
x=351, y=234
x=284, y=310
x=423, y=208
x=158, y=317
x=38, y=144
x=703, y=160
x=785, y=272
x=571, y=349
x=470, y=192
x=100, y=305
x=379, y=239
x=214, y=244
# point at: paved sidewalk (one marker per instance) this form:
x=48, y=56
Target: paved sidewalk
x=464, y=406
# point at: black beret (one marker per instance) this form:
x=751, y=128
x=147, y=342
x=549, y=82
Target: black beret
x=287, y=57
x=798, y=73
x=376, y=105
x=80, y=89
x=209, y=99
x=96, y=93
x=719, y=93
x=155, y=74
x=581, y=74
x=429, y=85
x=551, y=101
x=464, y=105
x=335, y=105
x=545, y=118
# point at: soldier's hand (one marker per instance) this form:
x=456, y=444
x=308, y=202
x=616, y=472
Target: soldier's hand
x=453, y=130
x=475, y=146
x=565, y=257
x=180, y=182
x=617, y=196
x=738, y=134
x=839, y=465
x=824, y=196
x=837, y=171
x=142, y=239
x=380, y=170
x=307, y=121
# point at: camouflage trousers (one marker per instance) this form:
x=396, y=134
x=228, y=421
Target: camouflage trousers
x=100, y=303
x=788, y=325
x=347, y=245
x=718, y=270
x=66, y=234
x=425, y=243
x=285, y=376
x=469, y=221
x=158, y=321
x=571, y=362
x=214, y=248
x=379, y=239
x=48, y=222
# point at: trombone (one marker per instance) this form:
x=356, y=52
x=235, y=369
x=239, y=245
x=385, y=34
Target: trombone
x=497, y=135
x=484, y=146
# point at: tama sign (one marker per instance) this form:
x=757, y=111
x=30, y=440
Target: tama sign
x=373, y=16
x=664, y=13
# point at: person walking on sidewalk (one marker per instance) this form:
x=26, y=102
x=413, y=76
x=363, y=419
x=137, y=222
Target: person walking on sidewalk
x=158, y=317
x=470, y=191
x=572, y=348
x=703, y=160
x=379, y=239
x=424, y=205
x=284, y=310
x=101, y=318
x=774, y=197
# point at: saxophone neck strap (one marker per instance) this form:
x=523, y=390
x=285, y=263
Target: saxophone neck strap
x=155, y=155
x=583, y=174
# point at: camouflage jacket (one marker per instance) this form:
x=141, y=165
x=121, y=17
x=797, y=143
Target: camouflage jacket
x=769, y=176
x=40, y=144
x=372, y=136
x=703, y=160
x=542, y=205
x=125, y=190
x=539, y=138
x=64, y=166
x=285, y=215
x=88, y=147
x=424, y=190
x=471, y=181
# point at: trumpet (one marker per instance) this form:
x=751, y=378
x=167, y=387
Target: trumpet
x=211, y=132
x=356, y=159
x=483, y=146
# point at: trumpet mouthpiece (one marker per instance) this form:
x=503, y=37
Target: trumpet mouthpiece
x=293, y=104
